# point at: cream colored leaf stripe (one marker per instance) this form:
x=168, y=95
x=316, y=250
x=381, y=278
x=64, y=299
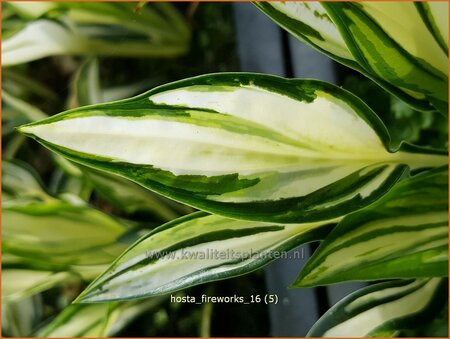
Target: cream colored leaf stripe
x=376, y=39
x=242, y=145
x=391, y=309
x=195, y=249
x=402, y=235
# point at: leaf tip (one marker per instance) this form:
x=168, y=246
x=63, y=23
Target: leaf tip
x=25, y=129
x=83, y=297
x=78, y=300
x=302, y=281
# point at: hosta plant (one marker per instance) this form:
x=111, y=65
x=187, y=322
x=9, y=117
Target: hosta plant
x=92, y=28
x=272, y=163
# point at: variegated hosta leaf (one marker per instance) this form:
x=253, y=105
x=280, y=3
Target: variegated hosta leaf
x=392, y=309
x=388, y=42
x=96, y=320
x=379, y=37
x=22, y=283
x=60, y=233
x=98, y=28
x=39, y=39
x=246, y=146
x=402, y=235
x=196, y=249
x=85, y=272
x=122, y=194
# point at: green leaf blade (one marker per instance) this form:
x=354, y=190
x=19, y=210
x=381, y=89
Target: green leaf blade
x=105, y=29
x=435, y=17
x=403, y=235
x=20, y=283
x=60, y=233
x=95, y=321
x=196, y=249
x=395, y=308
x=241, y=145
x=386, y=49
x=370, y=38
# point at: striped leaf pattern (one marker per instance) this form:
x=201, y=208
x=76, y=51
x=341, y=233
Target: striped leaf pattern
x=241, y=145
x=380, y=40
x=60, y=233
x=402, y=235
x=195, y=249
x=95, y=320
x=392, y=309
x=310, y=22
x=22, y=283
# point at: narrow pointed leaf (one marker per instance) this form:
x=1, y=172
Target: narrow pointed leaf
x=375, y=39
x=22, y=283
x=60, y=233
x=435, y=16
x=86, y=272
x=246, y=146
x=402, y=235
x=393, y=309
x=39, y=39
x=96, y=320
x=122, y=194
x=196, y=249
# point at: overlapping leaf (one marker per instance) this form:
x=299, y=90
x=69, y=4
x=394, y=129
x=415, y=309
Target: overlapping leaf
x=402, y=235
x=246, y=146
x=20, y=180
x=392, y=309
x=132, y=198
x=381, y=40
x=196, y=249
x=22, y=283
x=386, y=48
x=93, y=321
x=60, y=233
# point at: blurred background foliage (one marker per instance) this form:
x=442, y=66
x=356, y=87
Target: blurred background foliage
x=63, y=224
